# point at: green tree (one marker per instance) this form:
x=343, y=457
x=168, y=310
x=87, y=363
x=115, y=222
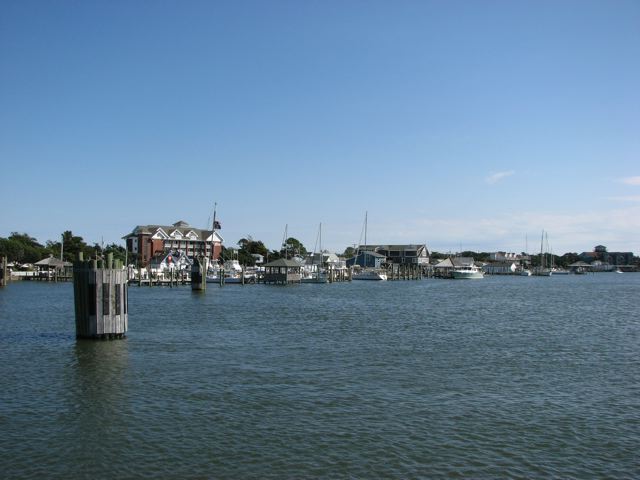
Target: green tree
x=247, y=248
x=293, y=246
x=349, y=252
x=22, y=248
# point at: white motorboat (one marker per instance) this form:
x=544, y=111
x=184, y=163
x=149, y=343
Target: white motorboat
x=467, y=272
x=369, y=274
x=525, y=273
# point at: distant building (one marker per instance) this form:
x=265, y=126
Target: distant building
x=504, y=257
x=322, y=258
x=612, y=258
x=149, y=241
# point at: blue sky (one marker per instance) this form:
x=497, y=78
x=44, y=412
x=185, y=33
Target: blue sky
x=459, y=124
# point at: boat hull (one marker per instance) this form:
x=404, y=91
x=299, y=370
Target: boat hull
x=370, y=275
x=464, y=275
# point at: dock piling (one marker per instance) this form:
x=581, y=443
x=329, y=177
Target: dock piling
x=199, y=274
x=101, y=299
x=4, y=272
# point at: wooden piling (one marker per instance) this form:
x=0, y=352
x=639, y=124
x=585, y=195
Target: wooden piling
x=4, y=272
x=101, y=299
x=199, y=274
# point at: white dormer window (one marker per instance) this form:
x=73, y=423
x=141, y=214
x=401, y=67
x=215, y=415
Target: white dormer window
x=177, y=234
x=160, y=235
x=192, y=235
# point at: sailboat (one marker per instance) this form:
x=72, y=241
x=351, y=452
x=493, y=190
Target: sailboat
x=525, y=272
x=314, y=273
x=367, y=273
x=542, y=270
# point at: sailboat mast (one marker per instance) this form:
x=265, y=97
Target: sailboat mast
x=284, y=240
x=365, y=227
x=213, y=232
x=542, y=250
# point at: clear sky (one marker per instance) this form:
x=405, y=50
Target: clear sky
x=466, y=125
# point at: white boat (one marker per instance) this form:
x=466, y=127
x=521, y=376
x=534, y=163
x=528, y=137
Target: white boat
x=313, y=275
x=559, y=271
x=233, y=273
x=313, y=272
x=369, y=274
x=467, y=272
x=525, y=273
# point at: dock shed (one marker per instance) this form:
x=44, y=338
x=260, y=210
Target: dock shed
x=282, y=271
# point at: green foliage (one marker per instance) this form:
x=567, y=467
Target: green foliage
x=21, y=248
x=349, y=252
x=293, y=246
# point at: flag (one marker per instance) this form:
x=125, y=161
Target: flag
x=216, y=224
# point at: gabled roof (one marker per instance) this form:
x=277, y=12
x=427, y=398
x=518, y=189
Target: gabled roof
x=455, y=262
x=51, y=261
x=181, y=227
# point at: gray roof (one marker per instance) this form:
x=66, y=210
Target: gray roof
x=283, y=262
x=183, y=227
x=53, y=262
x=371, y=253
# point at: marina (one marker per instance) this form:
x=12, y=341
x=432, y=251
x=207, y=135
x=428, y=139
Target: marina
x=506, y=377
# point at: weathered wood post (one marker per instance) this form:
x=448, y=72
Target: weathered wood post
x=4, y=273
x=199, y=274
x=101, y=299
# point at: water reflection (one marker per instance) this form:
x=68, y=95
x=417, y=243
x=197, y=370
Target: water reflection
x=99, y=403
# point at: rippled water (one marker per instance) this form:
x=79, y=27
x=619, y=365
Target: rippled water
x=507, y=377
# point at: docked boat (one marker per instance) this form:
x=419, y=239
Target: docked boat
x=369, y=274
x=525, y=272
x=314, y=275
x=233, y=273
x=467, y=272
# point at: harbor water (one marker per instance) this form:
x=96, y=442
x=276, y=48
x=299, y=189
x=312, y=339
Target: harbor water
x=505, y=377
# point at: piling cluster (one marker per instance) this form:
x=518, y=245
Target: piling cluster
x=101, y=298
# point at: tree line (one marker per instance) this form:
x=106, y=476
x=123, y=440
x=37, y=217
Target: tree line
x=23, y=248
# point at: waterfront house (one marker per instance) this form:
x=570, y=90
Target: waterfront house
x=413, y=254
x=367, y=259
x=147, y=241
x=323, y=258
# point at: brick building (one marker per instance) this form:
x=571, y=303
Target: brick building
x=147, y=241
